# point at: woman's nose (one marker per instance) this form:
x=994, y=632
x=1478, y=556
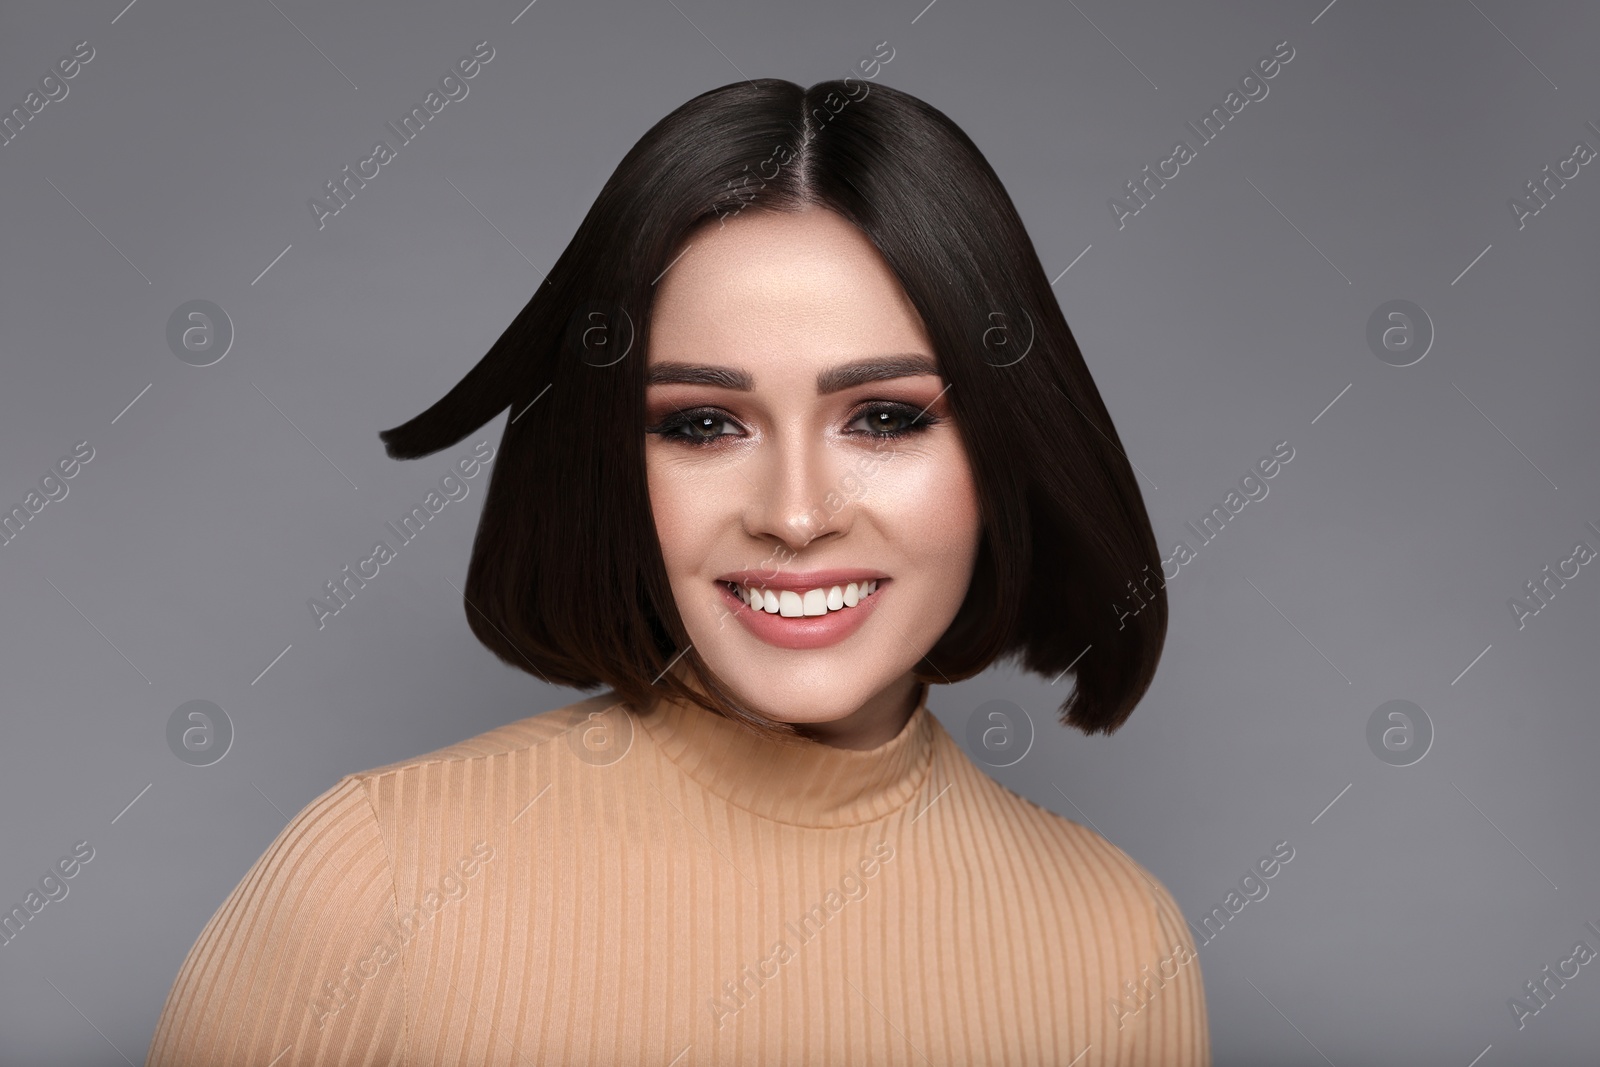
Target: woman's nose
x=795, y=493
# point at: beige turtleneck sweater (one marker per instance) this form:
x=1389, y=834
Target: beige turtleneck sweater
x=596, y=886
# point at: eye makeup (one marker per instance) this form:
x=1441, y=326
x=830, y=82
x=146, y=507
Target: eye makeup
x=686, y=425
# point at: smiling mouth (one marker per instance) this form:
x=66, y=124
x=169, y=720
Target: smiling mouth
x=793, y=603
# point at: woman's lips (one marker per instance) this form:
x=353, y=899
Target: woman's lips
x=805, y=631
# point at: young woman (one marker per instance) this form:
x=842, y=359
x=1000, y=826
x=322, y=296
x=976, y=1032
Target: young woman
x=797, y=429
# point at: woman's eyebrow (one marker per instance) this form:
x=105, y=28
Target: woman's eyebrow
x=832, y=380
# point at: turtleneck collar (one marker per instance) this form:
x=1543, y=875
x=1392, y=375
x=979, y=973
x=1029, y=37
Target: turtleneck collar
x=808, y=783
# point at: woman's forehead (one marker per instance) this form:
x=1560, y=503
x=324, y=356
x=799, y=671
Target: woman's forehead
x=786, y=288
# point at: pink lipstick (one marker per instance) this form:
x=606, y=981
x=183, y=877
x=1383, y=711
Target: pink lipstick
x=798, y=591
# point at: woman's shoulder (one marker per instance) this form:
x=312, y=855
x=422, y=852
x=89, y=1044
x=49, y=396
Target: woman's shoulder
x=459, y=777
x=1070, y=852
x=344, y=885
x=1091, y=893
x=512, y=737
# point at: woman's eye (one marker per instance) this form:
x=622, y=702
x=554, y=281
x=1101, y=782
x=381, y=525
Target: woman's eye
x=692, y=427
x=894, y=420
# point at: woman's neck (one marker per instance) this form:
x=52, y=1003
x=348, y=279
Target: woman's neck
x=806, y=782
x=875, y=723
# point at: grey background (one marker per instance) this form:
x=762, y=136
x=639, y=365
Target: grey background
x=1225, y=317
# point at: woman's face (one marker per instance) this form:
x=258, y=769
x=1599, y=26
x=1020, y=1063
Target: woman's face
x=800, y=442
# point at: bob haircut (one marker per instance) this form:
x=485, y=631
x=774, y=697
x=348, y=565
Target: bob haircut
x=567, y=577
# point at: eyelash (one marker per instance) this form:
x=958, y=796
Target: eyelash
x=679, y=420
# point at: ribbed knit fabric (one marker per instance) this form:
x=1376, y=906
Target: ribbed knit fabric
x=598, y=886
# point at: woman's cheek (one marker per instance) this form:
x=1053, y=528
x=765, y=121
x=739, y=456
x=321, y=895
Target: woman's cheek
x=686, y=505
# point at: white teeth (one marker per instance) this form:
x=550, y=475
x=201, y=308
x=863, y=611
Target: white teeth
x=793, y=603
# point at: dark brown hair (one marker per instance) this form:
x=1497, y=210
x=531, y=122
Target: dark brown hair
x=567, y=578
